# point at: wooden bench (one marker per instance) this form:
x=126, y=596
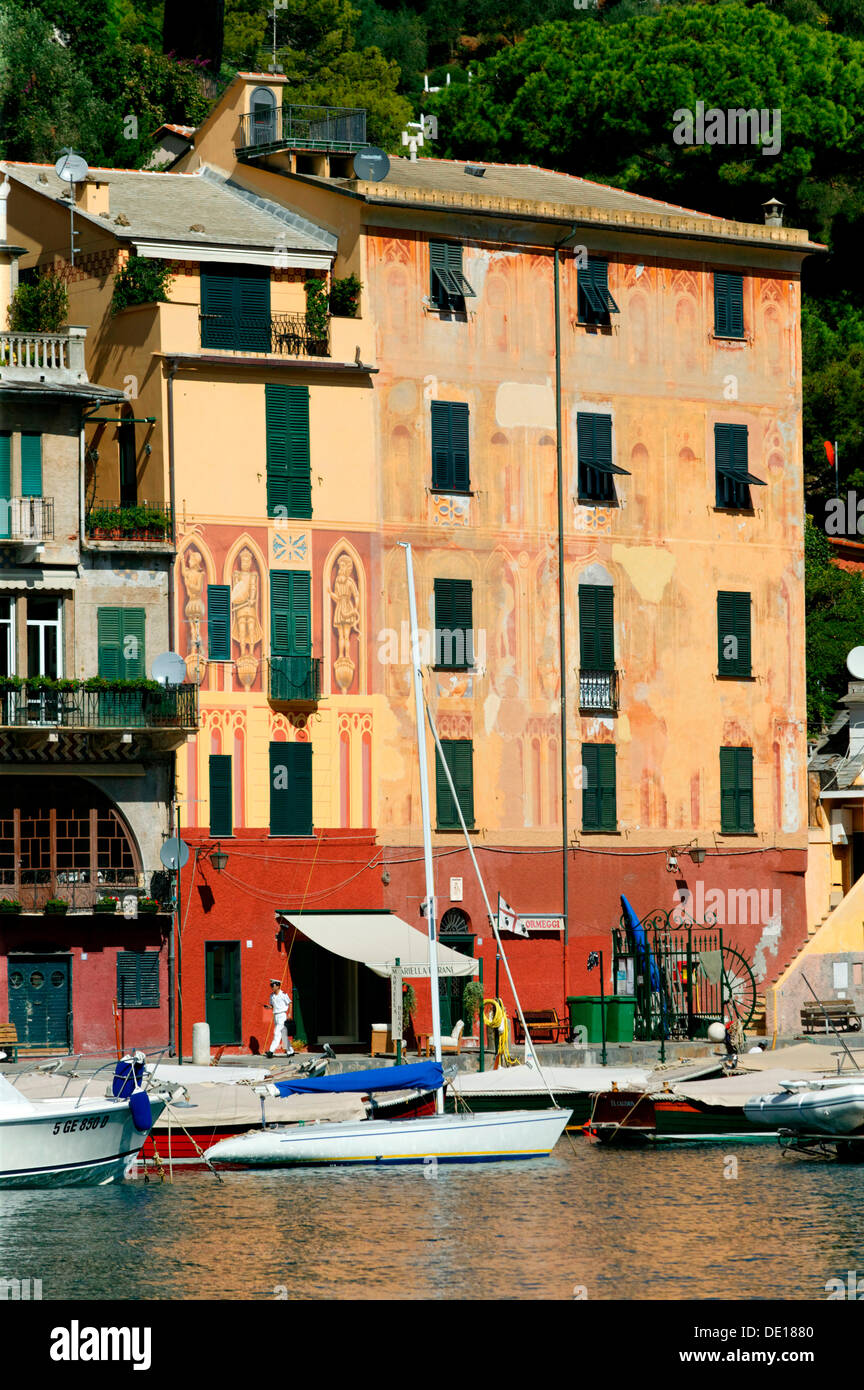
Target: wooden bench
x=842, y=1014
x=9, y=1040
x=544, y=1025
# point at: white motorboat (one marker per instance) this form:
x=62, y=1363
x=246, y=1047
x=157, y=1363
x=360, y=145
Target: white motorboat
x=70, y=1141
x=828, y=1105
x=442, y=1138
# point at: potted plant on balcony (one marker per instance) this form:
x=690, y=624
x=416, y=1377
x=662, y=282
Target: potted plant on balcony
x=317, y=317
x=148, y=905
x=345, y=297
x=40, y=306
x=472, y=1003
x=10, y=906
x=106, y=904
x=56, y=907
x=141, y=280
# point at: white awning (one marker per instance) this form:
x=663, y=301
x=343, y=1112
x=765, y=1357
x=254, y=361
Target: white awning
x=377, y=939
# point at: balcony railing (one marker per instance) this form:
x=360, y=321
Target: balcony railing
x=53, y=356
x=286, y=335
x=131, y=521
x=598, y=691
x=294, y=679
x=340, y=129
x=26, y=520
x=80, y=888
x=174, y=707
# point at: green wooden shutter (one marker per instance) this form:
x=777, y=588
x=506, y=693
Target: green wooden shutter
x=138, y=979
x=31, y=465
x=454, y=624
x=733, y=621
x=290, y=613
x=736, y=791
x=291, y=789
x=594, y=438
x=109, y=623
x=5, y=483
x=728, y=305
x=289, y=467
x=599, y=795
x=450, y=448
x=235, y=308
x=459, y=756
x=221, y=817
x=219, y=622
x=134, y=665
x=731, y=464
x=596, y=627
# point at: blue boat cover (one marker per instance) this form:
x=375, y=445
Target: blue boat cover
x=640, y=942
x=428, y=1076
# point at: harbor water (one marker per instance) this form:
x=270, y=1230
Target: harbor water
x=699, y=1222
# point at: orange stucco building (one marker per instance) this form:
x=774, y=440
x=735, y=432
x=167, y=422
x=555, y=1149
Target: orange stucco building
x=642, y=444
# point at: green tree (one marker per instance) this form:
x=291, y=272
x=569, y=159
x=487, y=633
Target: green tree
x=835, y=624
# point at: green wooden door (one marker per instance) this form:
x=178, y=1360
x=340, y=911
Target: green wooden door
x=451, y=988
x=222, y=983
x=40, y=1001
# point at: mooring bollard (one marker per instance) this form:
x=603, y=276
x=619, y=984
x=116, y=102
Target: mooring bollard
x=201, y=1044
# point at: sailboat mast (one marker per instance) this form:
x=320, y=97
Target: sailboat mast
x=431, y=908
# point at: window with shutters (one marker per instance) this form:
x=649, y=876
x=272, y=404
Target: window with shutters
x=294, y=672
x=219, y=622
x=289, y=465
x=5, y=484
x=448, y=288
x=728, y=305
x=459, y=756
x=121, y=643
x=599, y=797
x=733, y=479
x=235, y=308
x=454, y=633
x=736, y=791
x=138, y=979
x=290, y=788
x=221, y=817
x=594, y=302
x=594, y=452
x=31, y=465
x=598, y=679
x=450, y=464
x=733, y=634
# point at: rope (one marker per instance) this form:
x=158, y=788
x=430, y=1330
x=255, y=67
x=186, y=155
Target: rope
x=494, y=1016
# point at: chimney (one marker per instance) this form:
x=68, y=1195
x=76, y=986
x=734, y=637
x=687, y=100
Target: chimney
x=773, y=210
x=8, y=257
x=93, y=196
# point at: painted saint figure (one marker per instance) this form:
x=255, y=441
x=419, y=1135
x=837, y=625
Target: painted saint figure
x=194, y=578
x=346, y=610
x=245, y=628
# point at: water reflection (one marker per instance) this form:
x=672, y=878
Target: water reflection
x=657, y=1224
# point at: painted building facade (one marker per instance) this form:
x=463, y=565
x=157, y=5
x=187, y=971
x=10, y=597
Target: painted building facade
x=298, y=468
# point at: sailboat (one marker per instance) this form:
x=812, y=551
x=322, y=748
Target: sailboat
x=513, y=1134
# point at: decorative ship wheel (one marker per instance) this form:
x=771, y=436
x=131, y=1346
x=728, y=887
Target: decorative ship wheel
x=738, y=986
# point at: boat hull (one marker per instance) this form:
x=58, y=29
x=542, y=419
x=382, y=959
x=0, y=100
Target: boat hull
x=89, y=1144
x=440, y=1138
x=622, y=1117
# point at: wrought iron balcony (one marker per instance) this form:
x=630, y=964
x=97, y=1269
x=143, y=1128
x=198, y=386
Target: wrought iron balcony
x=285, y=335
x=340, y=129
x=131, y=521
x=32, y=707
x=598, y=691
x=26, y=520
x=294, y=680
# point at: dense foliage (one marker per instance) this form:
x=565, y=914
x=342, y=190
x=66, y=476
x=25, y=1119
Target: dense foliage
x=141, y=280
x=40, y=305
x=835, y=624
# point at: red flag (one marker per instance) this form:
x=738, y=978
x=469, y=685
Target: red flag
x=829, y=450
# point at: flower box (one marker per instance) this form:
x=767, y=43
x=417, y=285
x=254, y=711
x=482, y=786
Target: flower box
x=105, y=905
x=10, y=906
x=56, y=907
x=148, y=905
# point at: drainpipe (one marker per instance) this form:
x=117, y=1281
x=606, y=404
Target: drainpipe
x=562, y=635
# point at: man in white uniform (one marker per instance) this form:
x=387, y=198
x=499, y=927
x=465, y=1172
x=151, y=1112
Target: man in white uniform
x=280, y=1003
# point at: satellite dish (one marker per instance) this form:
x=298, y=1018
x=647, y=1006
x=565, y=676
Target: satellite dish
x=855, y=663
x=169, y=669
x=71, y=167
x=174, y=853
x=371, y=164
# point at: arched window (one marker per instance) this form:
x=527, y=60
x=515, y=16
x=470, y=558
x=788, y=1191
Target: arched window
x=454, y=923
x=263, y=116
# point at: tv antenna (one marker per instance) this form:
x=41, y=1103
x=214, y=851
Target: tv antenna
x=72, y=168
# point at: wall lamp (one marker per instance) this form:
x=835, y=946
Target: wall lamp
x=217, y=856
